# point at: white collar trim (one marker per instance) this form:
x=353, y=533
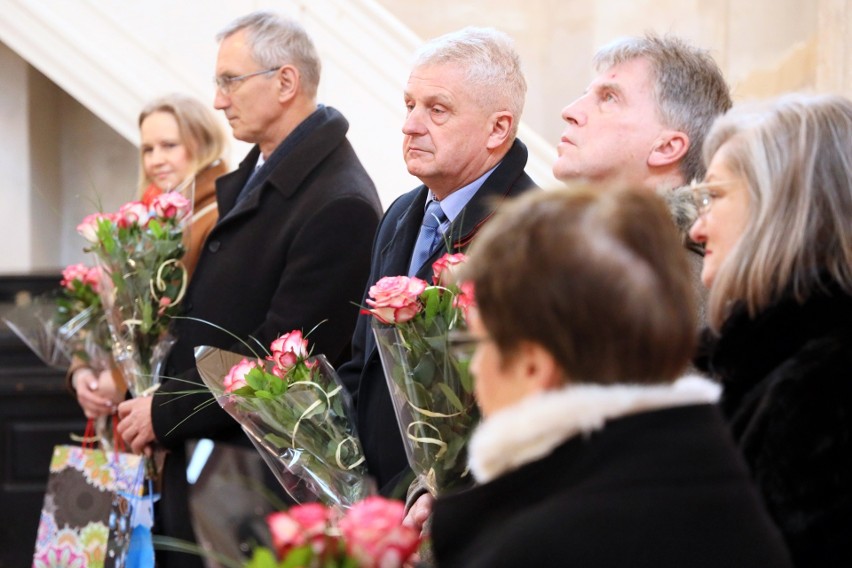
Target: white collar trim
x=535, y=426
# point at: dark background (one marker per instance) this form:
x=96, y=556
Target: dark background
x=36, y=413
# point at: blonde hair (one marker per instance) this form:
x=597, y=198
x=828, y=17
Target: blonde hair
x=490, y=63
x=598, y=278
x=199, y=131
x=795, y=156
x=689, y=88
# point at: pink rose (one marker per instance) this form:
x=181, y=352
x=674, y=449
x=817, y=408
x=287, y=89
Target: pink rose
x=93, y=278
x=72, y=273
x=443, y=269
x=288, y=350
x=169, y=205
x=374, y=534
x=88, y=227
x=395, y=299
x=132, y=213
x=236, y=377
x=300, y=525
x=466, y=298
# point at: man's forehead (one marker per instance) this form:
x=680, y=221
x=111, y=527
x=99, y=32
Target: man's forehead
x=637, y=69
x=438, y=80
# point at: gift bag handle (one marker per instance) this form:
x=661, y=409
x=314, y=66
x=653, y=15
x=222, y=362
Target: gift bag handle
x=89, y=438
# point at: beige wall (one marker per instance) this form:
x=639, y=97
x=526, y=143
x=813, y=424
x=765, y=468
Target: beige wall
x=765, y=47
x=58, y=163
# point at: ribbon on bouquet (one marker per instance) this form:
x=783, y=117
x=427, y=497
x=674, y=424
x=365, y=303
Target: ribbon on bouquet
x=311, y=408
x=433, y=441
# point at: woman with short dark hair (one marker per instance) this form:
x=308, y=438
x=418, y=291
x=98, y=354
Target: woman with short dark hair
x=592, y=452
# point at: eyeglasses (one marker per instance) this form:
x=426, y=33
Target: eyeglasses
x=228, y=85
x=463, y=343
x=704, y=194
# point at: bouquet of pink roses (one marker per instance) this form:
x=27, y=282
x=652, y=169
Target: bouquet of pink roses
x=430, y=385
x=65, y=323
x=369, y=535
x=139, y=249
x=295, y=410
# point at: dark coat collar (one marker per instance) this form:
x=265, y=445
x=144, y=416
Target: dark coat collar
x=507, y=180
x=319, y=135
x=748, y=348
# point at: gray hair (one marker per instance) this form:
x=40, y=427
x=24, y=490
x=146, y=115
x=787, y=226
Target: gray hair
x=796, y=159
x=276, y=41
x=492, y=67
x=689, y=88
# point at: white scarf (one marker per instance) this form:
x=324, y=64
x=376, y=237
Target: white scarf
x=535, y=426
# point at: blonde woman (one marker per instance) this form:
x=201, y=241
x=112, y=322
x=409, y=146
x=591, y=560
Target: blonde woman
x=179, y=138
x=776, y=223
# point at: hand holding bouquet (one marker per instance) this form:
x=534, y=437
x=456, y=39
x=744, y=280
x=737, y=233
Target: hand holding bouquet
x=294, y=409
x=369, y=535
x=430, y=384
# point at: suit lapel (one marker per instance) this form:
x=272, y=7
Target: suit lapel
x=229, y=186
x=396, y=255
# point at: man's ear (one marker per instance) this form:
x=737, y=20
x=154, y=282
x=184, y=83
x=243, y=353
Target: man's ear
x=669, y=148
x=288, y=82
x=501, y=128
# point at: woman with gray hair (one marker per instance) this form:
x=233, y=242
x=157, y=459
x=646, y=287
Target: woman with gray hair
x=775, y=219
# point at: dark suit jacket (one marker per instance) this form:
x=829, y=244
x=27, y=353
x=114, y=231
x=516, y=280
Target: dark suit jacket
x=363, y=375
x=289, y=256
x=658, y=489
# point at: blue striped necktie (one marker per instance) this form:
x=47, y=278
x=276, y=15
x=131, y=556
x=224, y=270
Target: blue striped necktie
x=429, y=237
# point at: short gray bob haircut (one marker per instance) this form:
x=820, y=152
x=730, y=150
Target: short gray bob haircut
x=276, y=41
x=491, y=63
x=689, y=88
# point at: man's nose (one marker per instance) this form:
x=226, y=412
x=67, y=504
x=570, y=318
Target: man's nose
x=574, y=114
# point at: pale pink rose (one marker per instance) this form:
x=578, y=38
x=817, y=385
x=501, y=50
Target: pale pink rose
x=170, y=204
x=288, y=350
x=236, y=377
x=132, y=213
x=93, y=278
x=300, y=525
x=443, y=269
x=395, y=299
x=88, y=227
x=466, y=297
x=72, y=273
x=374, y=534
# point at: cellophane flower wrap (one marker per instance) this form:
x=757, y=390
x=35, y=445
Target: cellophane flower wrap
x=430, y=384
x=139, y=249
x=295, y=410
x=66, y=322
x=368, y=535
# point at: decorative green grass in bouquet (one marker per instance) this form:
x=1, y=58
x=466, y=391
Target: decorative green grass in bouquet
x=295, y=410
x=139, y=249
x=429, y=381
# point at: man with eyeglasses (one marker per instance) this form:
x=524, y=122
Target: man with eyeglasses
x=291, y=249
x=642, y=122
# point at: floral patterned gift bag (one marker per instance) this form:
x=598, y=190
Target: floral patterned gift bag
x=86, y=516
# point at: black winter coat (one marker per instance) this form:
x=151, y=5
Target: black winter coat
x=657, y=489
x=787, y=378
x=292, y=254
